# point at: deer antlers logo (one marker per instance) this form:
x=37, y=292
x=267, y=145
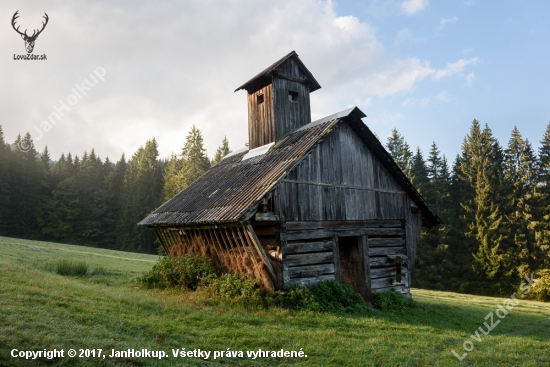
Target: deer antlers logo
x=29, y=40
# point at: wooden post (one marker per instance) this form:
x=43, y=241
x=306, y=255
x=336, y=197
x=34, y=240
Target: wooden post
x=209, y=241
x=258, y=245
x=336, y=254
x=157, y=233
x=366, y=258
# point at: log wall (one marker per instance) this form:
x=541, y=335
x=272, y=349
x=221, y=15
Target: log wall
x=310, y=251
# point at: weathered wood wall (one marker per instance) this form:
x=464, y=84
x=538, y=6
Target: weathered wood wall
x=341, y=181
x=277, y=115
x=261, y=119
x=290, y=115
x=310, y=251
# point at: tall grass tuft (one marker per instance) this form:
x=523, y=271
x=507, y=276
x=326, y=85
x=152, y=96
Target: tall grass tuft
x=71, y=268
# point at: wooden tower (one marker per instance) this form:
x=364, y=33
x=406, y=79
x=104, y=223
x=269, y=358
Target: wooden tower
x=278, y=100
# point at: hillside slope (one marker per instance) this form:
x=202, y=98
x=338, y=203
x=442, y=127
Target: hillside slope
x=107, y=310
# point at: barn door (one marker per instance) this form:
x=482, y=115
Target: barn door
x=352, y=269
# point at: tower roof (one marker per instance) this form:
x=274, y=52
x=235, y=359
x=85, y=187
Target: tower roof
x=264, y=77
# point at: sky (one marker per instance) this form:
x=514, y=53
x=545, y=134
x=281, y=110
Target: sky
x=119, y=73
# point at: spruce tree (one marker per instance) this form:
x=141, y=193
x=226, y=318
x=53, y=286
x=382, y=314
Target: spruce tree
x=195, y=161
x=542, y=206
x=222, y=151
x=28, y=181
x=520, y=176
x=400, y=151
x=172, y=177
x=482, y=170
x=141, y=194
x=419, y=173
x=6, y=158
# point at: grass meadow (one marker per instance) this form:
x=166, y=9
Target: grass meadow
x=57, y=296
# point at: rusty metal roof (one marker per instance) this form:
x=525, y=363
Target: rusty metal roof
x=229, y=190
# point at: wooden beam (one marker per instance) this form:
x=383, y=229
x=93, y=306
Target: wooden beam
x=299, y=247
x=309, y=271
x=344, y=187
x=366, y=258
x=378, y=242
x=336, y=254
x=375, y=224
x=256, y=242
x=309, y=259
x=379, y=251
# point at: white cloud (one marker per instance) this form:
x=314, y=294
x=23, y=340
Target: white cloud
x=413, y=6
x=444, y=21
x=470, y=78
x=454, y=68
x=174, y=64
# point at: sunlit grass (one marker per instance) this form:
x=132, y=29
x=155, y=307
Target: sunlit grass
x=107, y=309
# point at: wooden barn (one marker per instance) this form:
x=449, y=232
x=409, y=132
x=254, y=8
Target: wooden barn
x=306, y=201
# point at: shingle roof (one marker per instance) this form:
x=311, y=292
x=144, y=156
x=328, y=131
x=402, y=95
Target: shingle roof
x=263, y=78
x=229, y=190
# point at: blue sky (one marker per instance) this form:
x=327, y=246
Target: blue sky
x=509, y=84
x=427, y=68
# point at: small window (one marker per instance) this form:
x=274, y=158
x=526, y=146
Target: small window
x=292, y=96
x=260, y=98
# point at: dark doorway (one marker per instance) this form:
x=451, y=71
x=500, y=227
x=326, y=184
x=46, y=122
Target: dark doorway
x=351, y=265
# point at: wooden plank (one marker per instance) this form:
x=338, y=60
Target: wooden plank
x=377, y=242
x=256, y=242
x=308, y=234
x=384, y=231
x=387, y=282
x=336, y=252
x=378, y=251
x=379, y=261
x=309, y=225
x=299, y=247
x=286, y=276
x=386, y=272
x=308, y=259
x=311, y=281
x=309, y=271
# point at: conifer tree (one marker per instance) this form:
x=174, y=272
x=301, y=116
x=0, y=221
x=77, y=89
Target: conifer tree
x=172, y=177
x=222, y=151
x=400, y=151
x=5, y=184
x=45, y=160
x=521, y=181
x=27, y=183
x=481, y=169
x=141, y=194
x=195, y=161
x=419, y=173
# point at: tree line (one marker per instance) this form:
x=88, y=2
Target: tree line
x=90, y=201
x=494, y=202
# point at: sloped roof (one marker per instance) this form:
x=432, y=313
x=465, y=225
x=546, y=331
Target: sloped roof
x=231, y=189
x=264, y=77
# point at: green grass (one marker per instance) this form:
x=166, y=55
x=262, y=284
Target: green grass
x=107, y=309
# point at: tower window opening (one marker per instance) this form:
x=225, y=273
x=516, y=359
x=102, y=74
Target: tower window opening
x=260, y=98
x=292, y=96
